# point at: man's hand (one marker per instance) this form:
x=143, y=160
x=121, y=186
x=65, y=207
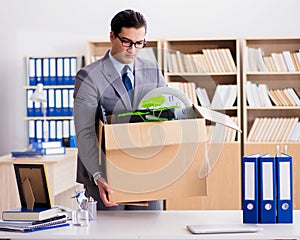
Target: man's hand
x=104, y=188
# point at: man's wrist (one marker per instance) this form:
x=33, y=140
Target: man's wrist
x=97, y=176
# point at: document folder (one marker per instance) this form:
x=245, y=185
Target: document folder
x=39, y=130
x=51, y=103
x=58, y=102
x=267, y=171
x=67, y=71
x=31, y=131
x=52, y=71
x=250, y=193
x=71, y=102
x=284, y=188
x=31, y=72
x=59, y=71
x=46, y=69
x=52, y=130
x=73, y=69
x=38, y=70
x=30, y=104
x=65, y=102
x=59, y=131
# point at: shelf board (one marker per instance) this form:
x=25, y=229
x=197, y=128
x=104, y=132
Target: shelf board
x=51, y=86
x=50, y=118
x=274, y=108
x=273, y=73
x=275, y=143
x=201, y=74
x=223, y=109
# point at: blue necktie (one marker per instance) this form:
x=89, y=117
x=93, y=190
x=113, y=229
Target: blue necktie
x=127, y=82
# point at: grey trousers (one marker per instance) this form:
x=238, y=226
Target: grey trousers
x=91, y=190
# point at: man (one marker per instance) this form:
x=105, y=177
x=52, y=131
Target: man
x=101, y=83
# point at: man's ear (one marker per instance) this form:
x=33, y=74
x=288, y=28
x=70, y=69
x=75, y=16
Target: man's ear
x=111, y=36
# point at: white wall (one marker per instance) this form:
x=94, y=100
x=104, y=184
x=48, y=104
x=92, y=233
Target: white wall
x=39, y=27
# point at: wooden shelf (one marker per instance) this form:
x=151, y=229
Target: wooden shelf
x=224, y=179
x=49, y=118
x=207, y=80
x=272, y=79
x=51, y=87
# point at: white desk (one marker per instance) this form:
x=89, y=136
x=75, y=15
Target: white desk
x=160, y=225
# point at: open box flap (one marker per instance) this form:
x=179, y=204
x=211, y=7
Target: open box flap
x=215, y=116
x=154, y=134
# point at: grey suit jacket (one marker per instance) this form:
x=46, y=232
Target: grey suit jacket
x=97, y=83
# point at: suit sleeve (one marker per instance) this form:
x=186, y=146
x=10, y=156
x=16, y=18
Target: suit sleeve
x=85, y=107
x=161, y=79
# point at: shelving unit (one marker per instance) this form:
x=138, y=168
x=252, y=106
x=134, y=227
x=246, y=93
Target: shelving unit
x=208, y=80
x=224, y=181
x=229, y=74
x=96, y=49
x=199, y=74
x=273, y=80
x=56, y=75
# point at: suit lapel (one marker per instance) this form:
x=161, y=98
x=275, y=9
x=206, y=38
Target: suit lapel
x=115, y=81
x=139, y=85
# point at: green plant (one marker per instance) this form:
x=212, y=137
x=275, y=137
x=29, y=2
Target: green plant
x=152, y=105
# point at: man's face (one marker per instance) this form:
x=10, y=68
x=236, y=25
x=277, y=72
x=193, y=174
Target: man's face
x=124, y=54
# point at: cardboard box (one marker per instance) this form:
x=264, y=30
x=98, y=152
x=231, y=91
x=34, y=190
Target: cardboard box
x=157, y=160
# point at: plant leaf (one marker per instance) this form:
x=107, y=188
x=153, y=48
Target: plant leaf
x=153, y=101
x=137, y=113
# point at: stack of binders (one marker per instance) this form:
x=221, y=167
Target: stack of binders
x=57, y=131
x=267, y=188
x=52, y=70
x=59, y=103
x=57, y=75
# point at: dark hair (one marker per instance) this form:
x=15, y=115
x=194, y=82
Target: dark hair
x=127, y=18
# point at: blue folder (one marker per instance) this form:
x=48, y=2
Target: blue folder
x=73, y=70
x=39, y=70
x=51, y=111
x=267, y=170
x=52, y=71
x=71, y=102
x=46, y=71
x=31, y=131
x=52, y=130
x=59, y=71
x=58, y=102
x=284, y=188
x=31, y=72
x=65, y=102
x=250, y=193
x=67, y=71
x=30, y=103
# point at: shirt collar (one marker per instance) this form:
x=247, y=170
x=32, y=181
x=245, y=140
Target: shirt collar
x=119, y=66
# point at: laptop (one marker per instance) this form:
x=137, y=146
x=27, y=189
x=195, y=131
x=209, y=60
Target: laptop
x=223, y=228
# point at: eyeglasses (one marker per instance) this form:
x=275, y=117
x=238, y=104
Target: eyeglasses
x=128, y=43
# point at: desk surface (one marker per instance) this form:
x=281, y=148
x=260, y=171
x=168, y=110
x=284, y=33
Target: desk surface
x=160, y=225
x=70, y=153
